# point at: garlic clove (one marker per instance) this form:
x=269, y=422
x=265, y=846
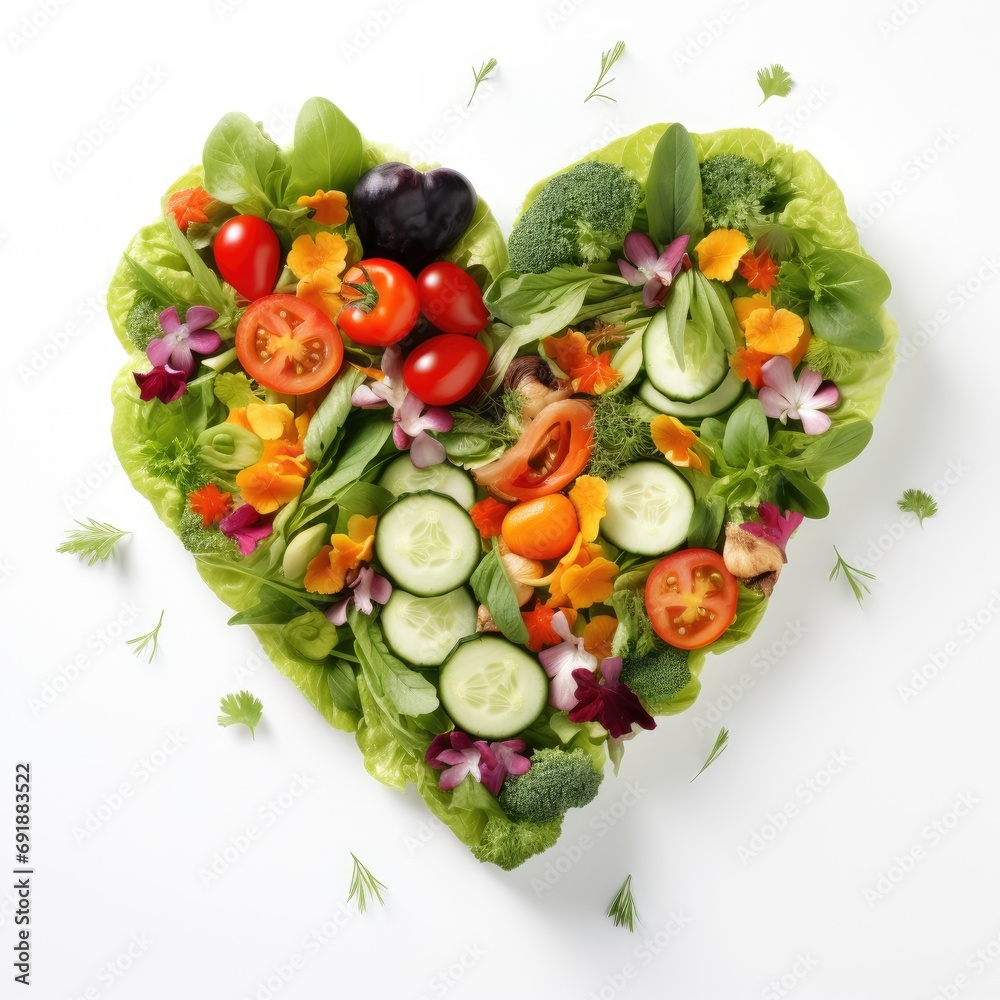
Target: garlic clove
x=747, y=556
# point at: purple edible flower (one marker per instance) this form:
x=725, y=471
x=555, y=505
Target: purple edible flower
x=162, y=382
x=247, y=527
x=774, y=526
x=654, y=271
x=782, y=397
x=181, y=341
x=368, y=588
x=509, y=758
x=613, y=704
x=563, y=662
x=458, y=757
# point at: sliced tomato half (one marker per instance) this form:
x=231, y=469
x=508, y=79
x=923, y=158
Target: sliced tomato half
x=288, y=345
x=553, y=450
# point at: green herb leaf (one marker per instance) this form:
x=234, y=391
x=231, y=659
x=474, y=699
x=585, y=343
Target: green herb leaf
x=918, y=502
x=478, y=75
x=721, y=742
x=150, y=639
x=235, y=390
x=852, y=574
x=331, y=413
x=493, y=589
x=152, y=286
x=94, y=539
x=241, y=709
x=327, y=152
x=774, y=81
x=622, y=909
x=310, y=635
x=238, y=159
x=608, y=59
x=342, y=681
x=746, y=434
x=220, y=297
x=673, y=188
x=364, y=886
x=362, y=449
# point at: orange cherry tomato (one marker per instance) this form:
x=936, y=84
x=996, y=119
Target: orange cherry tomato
x=541, y=529
x=553, y=450
x=288, y=345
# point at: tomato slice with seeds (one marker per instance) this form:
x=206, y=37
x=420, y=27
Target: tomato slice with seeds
x=691, y=598
x=288, y=345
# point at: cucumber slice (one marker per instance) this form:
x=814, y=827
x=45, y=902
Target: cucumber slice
x=705, y=362
x=727, y=395
x=427, y=544
x=649, y=509
x=492, y=688
x=402, y=476
x=423, y=630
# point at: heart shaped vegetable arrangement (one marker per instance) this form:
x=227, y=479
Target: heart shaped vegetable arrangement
x=492, y=514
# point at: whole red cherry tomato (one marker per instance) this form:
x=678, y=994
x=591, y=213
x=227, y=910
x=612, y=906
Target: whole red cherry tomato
x=248, y=255
x=445, y=368
x=450, y=298
x=382, y=306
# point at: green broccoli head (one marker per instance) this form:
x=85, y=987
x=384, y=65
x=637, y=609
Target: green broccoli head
x=658, y=675
x=201, y=540
x=579, y=217
x=508, y=844
x=142, y=324
x=736, y=193
x=557, y=780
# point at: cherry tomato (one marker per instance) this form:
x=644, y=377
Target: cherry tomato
x=691, y=598
x=545, y=528
x=383, y=307
x=248, y=255
x=445, y=368
x=450, y=298
x=553, y=450
x=288, y=345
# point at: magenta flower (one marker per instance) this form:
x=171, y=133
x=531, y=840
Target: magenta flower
x=181, y=341
x=782, y=397
x=411, y=416
x=562, y=663
x=774, y=526
x=613, y=704
x=654, y=271
x=456, y=755
x=247, y=527
x=163, y=383
x=510, y=759
x=367, y=589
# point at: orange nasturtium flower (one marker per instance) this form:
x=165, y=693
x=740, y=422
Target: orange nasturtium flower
x=747, y=365
x=773, y=331
x=487, y=515
x=760, y=272
x=720, y=252
x=591, y=373
x=582, y=577
x=327, y=571
x=589, y=496
x=210, y=503
x=597, y=635
x=268, y=485
x=328, y=252
x=539, y=624
x=744, y=305
x=330, y=206
x=678, y=443
x=188, y=206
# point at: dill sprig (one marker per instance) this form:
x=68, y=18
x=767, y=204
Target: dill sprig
x=150, y=639
x=608, y=59
x=621, y=436
x=721, y=742
x=95, y=539
x=622, y=909
x=364, y=886
x=918, y=502
x=852, y=574
x=478, y=75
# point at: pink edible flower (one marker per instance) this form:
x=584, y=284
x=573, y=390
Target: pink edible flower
x=782, y=397
x=181, y=341
x=563, y=662
x=456, y=755
x=510, y=759
x=247, y=527
x=368, y=589
x=774, y=526
x=613, y=704
x=654, y=271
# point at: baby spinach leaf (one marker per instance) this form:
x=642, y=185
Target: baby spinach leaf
x=240, y=162
x=326, y=154
x=492, y=588
x=746, y=434
x=673, y=188
x=332, y=413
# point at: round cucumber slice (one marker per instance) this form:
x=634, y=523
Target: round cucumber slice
x=402, y=476
x=492, y=688
x=427, y=544
x=717, y=401
x=649, y=509
x=705, y=362
x=423, y=630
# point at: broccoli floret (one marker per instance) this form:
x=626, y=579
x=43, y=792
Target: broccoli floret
x=201, y=540
x=737, y=193
x=142, y=324
x=579, y=217
x=557, y=780
x=509, y=844
x=658, y=675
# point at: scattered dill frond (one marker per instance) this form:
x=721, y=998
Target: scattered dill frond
x=93, y=539
x=608, y=59
x=852, y=574
x=721, y=742
x=622, y=909
x=150, y=639
x=478, y=75
x=364, y=885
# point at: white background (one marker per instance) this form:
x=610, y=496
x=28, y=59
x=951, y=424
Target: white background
x=873, y=96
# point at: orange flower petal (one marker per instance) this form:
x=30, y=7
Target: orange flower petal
x=568, y=351
x=747, y=364
x=720, y=252
x=266, y=488
x=744, y=306
x=677, y=443
x=774, y=333
x=238, y=416
x=539, y=624
x=328, y=252
x=269, y=421
x=487, y=515
x=590, y=584
x=210, y=503
x=597, y=635
x=322, y=289
x=589, y=496
x=188, y=206
x=330, y=207
x=594, y=374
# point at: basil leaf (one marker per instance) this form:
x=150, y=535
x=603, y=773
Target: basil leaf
x=678, y=305
x=343, y=685
x=800, y=493
x=673, y=188
x=239, y=159
x=855, y=281
x=331, y=414
x=706, y=522
x=363, y=448
x=841, y=444
x=842, y=325
x=746, y=434
x=326, y=153
x=493, y=589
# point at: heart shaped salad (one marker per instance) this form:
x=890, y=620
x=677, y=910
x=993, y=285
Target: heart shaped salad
x=490, y=505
